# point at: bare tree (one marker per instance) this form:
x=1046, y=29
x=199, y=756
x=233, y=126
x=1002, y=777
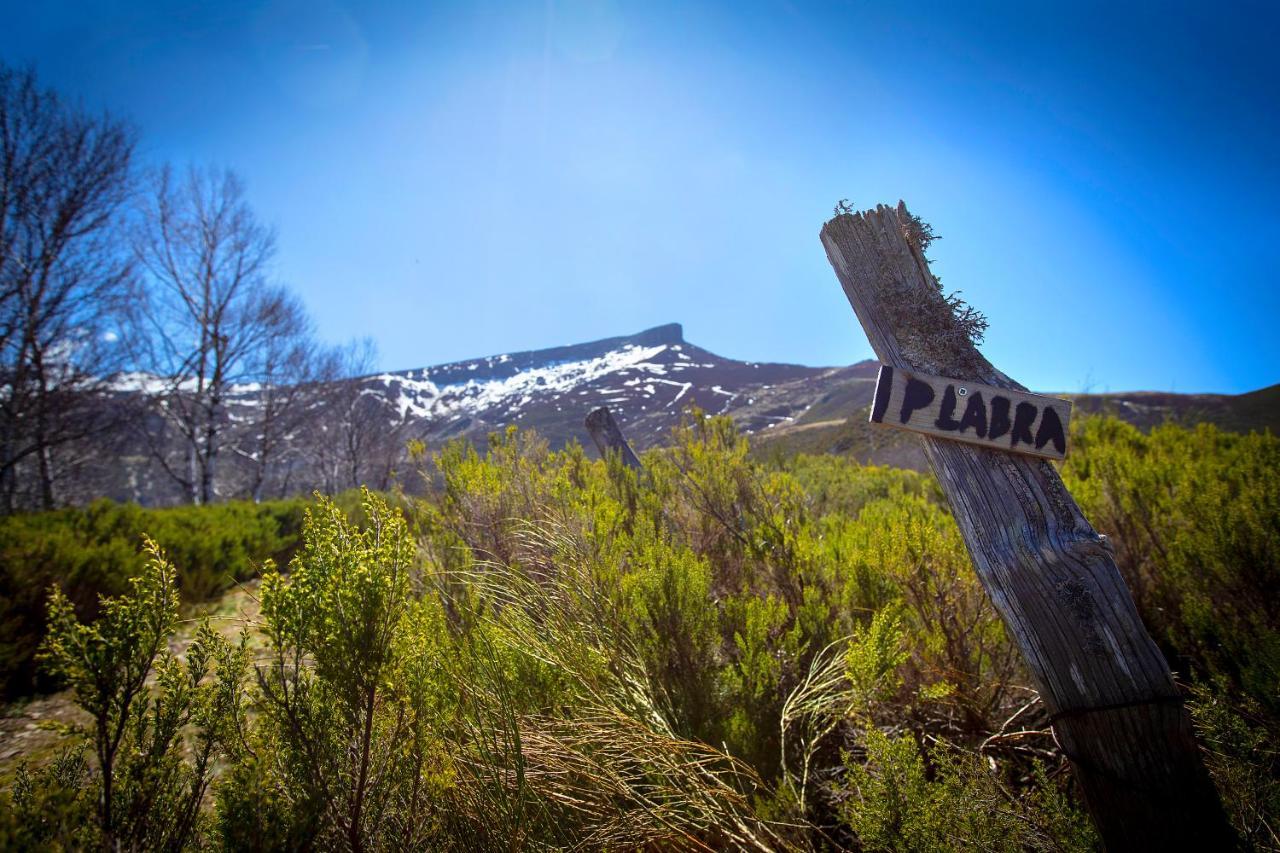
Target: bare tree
x=358, y=438
x=279, y=402
x=204, y=317
x=64, y=178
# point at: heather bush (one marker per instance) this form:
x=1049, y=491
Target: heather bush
x=743, y=607
x=342, y=750
x=1194, y=515
x=550, y=652
x=95, y=550
x=907, y=797
x=156, y=724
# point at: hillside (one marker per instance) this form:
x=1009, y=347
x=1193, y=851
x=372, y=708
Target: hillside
x=647, y=379
x=852, y=435
x=355, y=432
x=725, y=655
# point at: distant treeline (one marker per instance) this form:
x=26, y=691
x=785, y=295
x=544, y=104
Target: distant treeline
x=146, y=350
x=546, y=651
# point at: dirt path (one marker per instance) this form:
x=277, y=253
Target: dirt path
x=790, y=428
x=23, y=732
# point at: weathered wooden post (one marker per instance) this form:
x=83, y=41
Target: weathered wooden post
x=1112, y=701
x=609, y=439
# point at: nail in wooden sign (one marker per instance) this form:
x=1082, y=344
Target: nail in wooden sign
x=967, y=411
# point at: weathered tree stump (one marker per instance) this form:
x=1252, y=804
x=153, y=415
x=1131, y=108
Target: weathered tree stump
x=609, y=439
x=1115, y=709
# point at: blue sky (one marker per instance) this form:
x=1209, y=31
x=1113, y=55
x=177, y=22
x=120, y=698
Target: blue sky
x=466, y=179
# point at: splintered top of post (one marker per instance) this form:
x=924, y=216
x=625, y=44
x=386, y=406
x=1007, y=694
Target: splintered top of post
x=878, y=256
x=600, y=418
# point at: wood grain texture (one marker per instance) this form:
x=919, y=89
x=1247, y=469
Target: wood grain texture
x=961, y=410
x=1117, y=714
x=608, y=437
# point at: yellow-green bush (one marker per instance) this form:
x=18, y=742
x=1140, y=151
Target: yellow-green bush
x=905, y=797
x=1194, y=515
x=725, y=582
x=548, y=651
x=95, y=550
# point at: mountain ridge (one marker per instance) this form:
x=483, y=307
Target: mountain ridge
x=356, y=431
x=647, y=378
x=650, y=377
x=508, y=364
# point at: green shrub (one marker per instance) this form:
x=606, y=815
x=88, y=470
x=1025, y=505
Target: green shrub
x=154, y=743
x=844, y=487
x=1242, y=750
x=346, y=734
x=1194, y=515
x=95, y=550
x=51, y=807
x=726, y=586
x=547, y=651
x=904, y=798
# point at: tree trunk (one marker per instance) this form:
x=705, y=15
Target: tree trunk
x=1116, y=712
x=193, y=469
x=44, y=461
x=48, y=500
x=206, y=476
x=266, y=446
x=7, y=482
x=208, y=464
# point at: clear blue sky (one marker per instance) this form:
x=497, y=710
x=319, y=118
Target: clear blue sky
x=472, y=178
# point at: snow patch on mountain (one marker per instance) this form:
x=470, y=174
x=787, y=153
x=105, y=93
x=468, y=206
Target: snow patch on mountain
x=422, y=398
x=647, y=379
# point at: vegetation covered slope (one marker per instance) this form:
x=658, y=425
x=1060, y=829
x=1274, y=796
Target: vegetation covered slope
x=828, y=426
x=548, y=651
x=94, y=550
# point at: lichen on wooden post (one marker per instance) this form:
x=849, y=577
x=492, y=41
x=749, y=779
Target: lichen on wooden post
x=1115, y=709
x=608, y=437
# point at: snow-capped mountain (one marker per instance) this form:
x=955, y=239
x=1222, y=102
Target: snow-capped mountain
x=343, y=434
x=647, y=379
x=356, y=431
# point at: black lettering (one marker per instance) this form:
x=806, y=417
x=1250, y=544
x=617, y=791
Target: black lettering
x=948, y=409
x=975, y=415
x=999, y=417
x=1051, y=430
x=884, y=390
x=917, y=396
x=1023, y=417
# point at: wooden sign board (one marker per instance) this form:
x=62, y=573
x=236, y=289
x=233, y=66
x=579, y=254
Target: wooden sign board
x=977, y=414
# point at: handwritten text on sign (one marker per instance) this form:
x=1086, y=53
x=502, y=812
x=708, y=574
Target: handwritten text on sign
x=967, y=411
